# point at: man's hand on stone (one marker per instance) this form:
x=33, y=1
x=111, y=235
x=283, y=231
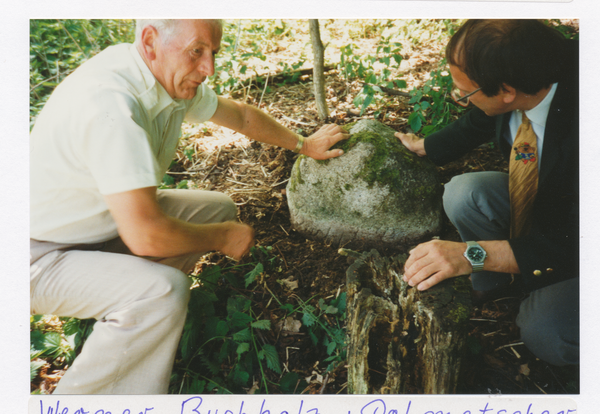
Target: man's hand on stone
x=318, y=145
x=412, y=142
x=237, y=239
x=430, y=263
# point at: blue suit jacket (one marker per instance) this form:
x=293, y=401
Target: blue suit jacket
x=550, y=252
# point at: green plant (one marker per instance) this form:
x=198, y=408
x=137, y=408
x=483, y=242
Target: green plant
x=58, y=343
x=242, y=48
x=326, y=326
x=374, y=71
x=58, y=47
x=224, y=347
x=569, y=31
x=433, y=108
x=290, y=73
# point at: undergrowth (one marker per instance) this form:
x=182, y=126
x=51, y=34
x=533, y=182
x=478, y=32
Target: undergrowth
x=227, y=348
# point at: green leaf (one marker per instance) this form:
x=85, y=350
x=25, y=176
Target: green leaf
x=243, y=347
x=262, y=324
x=239, y=319
x=168, y=180
x=211, y=274
x=416, y=97
x=331, y=347
x=34, y=368
x=239, y=376
x=71, y=326
x=212, y=364
x=189, y=153
x=251, y=276
x=288, y=307
x=182, y=184
x=291, y=382
x=222, y=328
x=242, y=336
x=416, y=124
x=340, y=302
x=37, y=341
x=197, y=386
x=366, y=103
x=269, y=352
x=308, y=319
x=52, y=341
x=313, y=337
x=415, y=121
x=237, y=304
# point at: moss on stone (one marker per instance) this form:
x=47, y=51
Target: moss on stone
x=374, y=170
x=296, y=176
x=425, y=191
x=390, y=165
x=348, y=127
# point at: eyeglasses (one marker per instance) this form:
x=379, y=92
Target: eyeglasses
x=459, y=98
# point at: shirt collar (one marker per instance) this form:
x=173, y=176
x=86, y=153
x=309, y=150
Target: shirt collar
x=539, y=114
x=154, y=98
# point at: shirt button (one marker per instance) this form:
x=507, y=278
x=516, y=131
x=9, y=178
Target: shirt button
x=537, y=272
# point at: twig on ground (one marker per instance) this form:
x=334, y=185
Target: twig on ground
x=509, y=345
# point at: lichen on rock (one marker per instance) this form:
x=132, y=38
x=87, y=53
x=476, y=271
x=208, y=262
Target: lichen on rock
x=377, y=194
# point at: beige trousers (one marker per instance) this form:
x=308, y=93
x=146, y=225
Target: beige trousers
x=140, y=304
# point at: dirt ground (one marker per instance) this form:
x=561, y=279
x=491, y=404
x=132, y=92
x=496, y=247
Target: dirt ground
x=254, y=175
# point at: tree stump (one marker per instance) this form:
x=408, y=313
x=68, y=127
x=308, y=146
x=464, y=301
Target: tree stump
x=401, y=340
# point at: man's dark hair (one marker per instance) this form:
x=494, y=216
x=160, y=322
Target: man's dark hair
x=525, y=54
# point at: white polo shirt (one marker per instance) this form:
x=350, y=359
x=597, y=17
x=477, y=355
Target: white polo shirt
x=109, y=127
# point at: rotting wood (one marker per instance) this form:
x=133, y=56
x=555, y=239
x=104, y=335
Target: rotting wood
x=401, y=340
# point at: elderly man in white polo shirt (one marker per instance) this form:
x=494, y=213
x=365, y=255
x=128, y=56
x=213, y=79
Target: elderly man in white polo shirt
x=105, y=242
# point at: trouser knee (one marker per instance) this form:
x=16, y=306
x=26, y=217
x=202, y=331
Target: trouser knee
x=170, y=293
x=478, y=205
x=457, y=192
x=549, y=323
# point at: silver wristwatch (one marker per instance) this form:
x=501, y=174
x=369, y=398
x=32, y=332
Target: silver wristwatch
x=475, y=255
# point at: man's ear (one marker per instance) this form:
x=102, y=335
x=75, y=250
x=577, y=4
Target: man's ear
x=508, y=93
x=149, y=42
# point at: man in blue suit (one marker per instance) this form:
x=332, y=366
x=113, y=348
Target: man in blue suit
x=511, y=70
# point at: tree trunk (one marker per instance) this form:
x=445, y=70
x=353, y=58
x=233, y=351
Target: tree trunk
x=318, y=69
x=401, y=340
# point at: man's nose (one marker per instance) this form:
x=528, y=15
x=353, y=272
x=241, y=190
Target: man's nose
x=207, y=65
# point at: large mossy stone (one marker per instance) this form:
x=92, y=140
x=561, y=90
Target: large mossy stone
x=378, y=194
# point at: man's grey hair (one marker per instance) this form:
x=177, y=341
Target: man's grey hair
x=166, y=28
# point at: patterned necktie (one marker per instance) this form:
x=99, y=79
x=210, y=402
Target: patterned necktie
x=523, y=178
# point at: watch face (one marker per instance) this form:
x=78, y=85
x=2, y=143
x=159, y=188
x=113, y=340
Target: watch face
x=475, y=254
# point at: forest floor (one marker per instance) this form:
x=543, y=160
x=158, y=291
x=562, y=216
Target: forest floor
x=255, y=175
